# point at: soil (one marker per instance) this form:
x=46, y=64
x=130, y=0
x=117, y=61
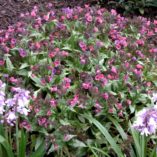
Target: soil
x=10, y=10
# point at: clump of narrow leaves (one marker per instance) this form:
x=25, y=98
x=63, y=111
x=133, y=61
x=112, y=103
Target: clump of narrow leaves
x=87, y=71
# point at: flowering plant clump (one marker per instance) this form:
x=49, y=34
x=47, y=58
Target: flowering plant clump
x=11, y=107
x=146, y=122
x=78, y=63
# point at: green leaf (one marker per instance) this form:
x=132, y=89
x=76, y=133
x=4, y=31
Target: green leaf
x=9, y=64
x=108, y=137
x=6, y=146
x=40, y=151
x=98, y=150
x=141, y=10
x=23, y=66
x=135, y=136
x=119, y=128
x=37, y=81
x=77, y=143
x=153, y=153
x=22, y=145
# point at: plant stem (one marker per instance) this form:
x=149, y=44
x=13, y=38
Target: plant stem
x=17, y=138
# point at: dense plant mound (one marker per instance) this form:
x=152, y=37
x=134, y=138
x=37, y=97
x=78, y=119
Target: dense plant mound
x=76, y=64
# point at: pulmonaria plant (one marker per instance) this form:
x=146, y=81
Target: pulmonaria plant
x=146, y=122
x=10, y=108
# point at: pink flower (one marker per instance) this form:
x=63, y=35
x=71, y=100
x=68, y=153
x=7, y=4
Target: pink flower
x=149, y=84
x=128, y=101
x=95, y=30
x=126, y=64
x=25, y=125
x=42, y=121
x=99, y=20
x=86, y=85
x=46, y=17
x=140, y=42
x=99, y=77
x=113, y=12
x=53, y=103
x=99, y=44
x=43, y=81
x=56, y=146
x=82, y=60
x=75, y=17
x=2, y=62
x=114, y=70
x=99, y=12
x=111, y=110
x=150, y=33
x=91, y=48
x=120, y=114
x=67, y=80
x=56, y=63
x=98, y=107
x=82, y=46
x=155, y=22
x=64, y=53
x=139, y=66
x=119, y=106
x=66, y=83
x=13, y=80
x=88, y=17
x=118, y=46
x=74, y=101
x=37, y=45
x=137, y=72
x=54, y=89
x=52, y=54
x=105, y=96
x=33, y=13
x=153, y=50
x=49, y=113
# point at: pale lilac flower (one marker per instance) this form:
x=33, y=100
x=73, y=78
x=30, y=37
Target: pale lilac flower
x=23, y=110
x=11, y=118
x=154, y=98
x=22, y=99
x=1, y=109
x=10, y=102
x=146, y=122
x=2, y=97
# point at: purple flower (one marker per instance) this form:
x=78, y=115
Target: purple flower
x=68, y=12
x=10, y=102
x=22, y=52
x=11, y=118
x=146, y=122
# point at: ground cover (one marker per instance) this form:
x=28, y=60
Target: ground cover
x=72, y=80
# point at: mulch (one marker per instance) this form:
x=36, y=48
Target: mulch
x=10, y=10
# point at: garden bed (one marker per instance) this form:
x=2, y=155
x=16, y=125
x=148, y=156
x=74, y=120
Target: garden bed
x=72, y=81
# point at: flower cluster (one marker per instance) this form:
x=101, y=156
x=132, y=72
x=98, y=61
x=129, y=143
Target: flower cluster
x=146, y=122
x=11, y=107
